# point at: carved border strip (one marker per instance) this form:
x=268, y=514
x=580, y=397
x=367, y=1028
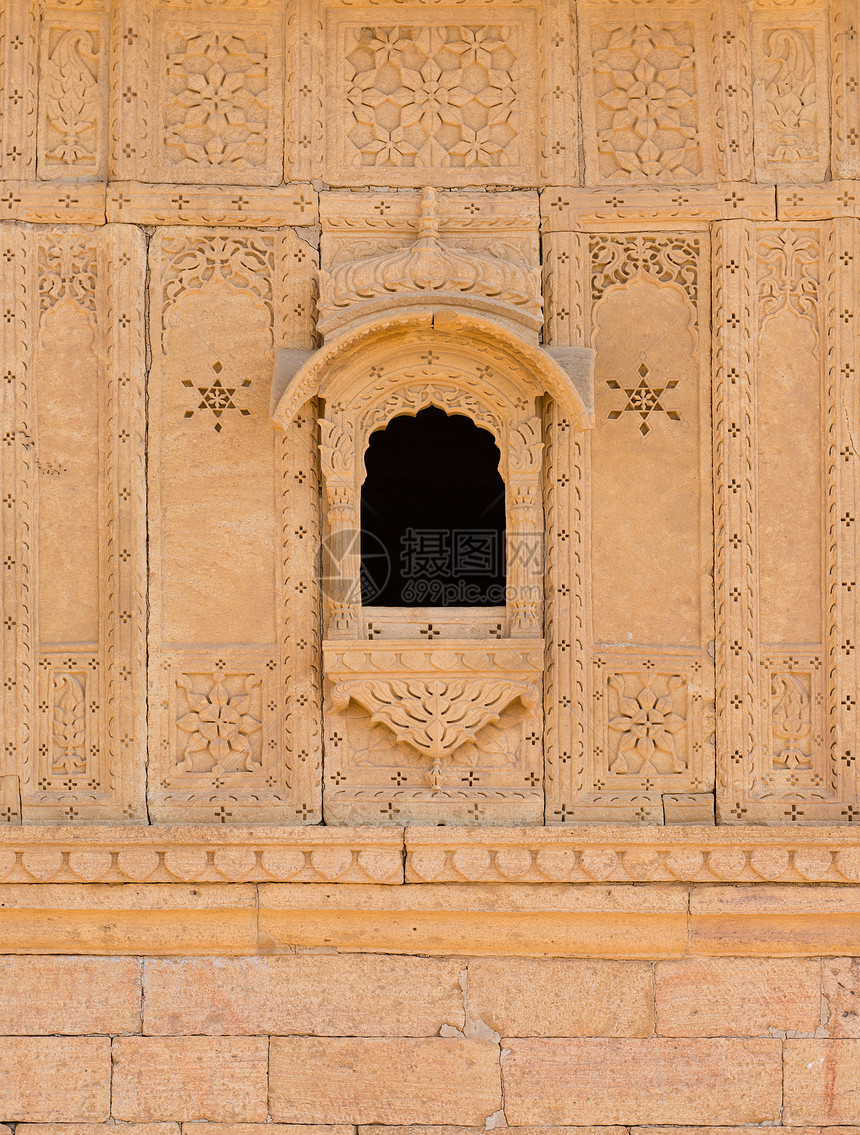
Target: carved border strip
x=51, y=202
x=732, y=71
x=566, y=208
x=16, y=504
x=557, y=94
x=305, y=138
x=142, y=204
x=123, y=647
x=131, y=116
x=566, y=679
x=300, y=614
x=842, y=370
x=616, y=853
x=734, y=513
x=18, y=55
x=845, y=88
x=818, y=202
x=588, y=854
x=181, y=853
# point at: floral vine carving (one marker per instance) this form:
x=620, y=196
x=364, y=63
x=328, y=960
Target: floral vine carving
x=788, y=275
x=646, y=104
x=68, y=270
x=190, y=264
x=791, y=721
x=71, y=98
x=219, y=111
x=68, y=726
x=791, y=110
x=618, y=260
x=432, y=96
x=220, y=725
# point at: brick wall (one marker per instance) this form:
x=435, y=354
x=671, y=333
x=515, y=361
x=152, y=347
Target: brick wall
x=344, y=1039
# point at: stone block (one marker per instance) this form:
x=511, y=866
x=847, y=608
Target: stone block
x=737, y=996
x=197, y=1128
x=69, y=995
x=606, y=1081
x=780, y=921
x=554, y=997
x=185, y=1078
x=55, y=1079
x=496, y=919
x=97, y=1129
x=131, y=919
x=840, y=985
x=822, y=1082
x=376, y=1080
x=310, y=994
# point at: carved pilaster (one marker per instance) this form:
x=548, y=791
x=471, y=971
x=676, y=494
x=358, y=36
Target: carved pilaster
x=735, y=511
x=131, y=112
x=16, y=508
x=558, y=94
x=845, y=88
x=18, y=64
x=729, y=33
x=305, y=139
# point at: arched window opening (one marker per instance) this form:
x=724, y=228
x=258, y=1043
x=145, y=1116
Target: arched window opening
x=432, y=515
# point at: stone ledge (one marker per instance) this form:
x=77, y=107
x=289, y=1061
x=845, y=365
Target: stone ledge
x=611, y=853
x=626, y=854
x=200, y=853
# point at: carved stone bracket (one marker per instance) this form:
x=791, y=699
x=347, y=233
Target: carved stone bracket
x=435, y=699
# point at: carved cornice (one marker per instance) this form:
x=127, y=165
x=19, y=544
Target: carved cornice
x=608, y=853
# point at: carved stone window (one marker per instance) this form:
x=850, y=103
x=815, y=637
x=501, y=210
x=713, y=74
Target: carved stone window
x=433, y=712
x=432, y=514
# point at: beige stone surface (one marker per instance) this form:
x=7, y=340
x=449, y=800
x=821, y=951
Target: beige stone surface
x=55, y=1079
x=840, y=988
x=98, y=1128
x=194, y=1128
x=548, y=997
x=101, y=919
x=625, y=922
x=737, y=996
x=69, y=995
x=822, y=1082
x=779, y=921
x=315, y=995
x=652, y=1081
x=384, y=1080
x=191, y=1077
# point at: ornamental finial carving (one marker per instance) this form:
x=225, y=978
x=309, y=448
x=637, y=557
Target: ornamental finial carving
x=430, y=272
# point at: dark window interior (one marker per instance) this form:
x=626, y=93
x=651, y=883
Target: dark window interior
x=433, y=515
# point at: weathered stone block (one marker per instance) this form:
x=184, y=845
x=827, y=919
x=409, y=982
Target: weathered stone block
x=439, y=1080
x=318, y=995
x=737, y=996
x=69, y=995
x=55, y=1079
x=189, y=1077
x=650, y=1081
x=554, y=997
x=840, y=985
x=822, y=1082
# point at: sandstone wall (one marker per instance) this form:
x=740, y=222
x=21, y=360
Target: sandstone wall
x=665, y=939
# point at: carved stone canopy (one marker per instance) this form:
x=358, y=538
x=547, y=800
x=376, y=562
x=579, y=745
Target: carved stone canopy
x=431, y=272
